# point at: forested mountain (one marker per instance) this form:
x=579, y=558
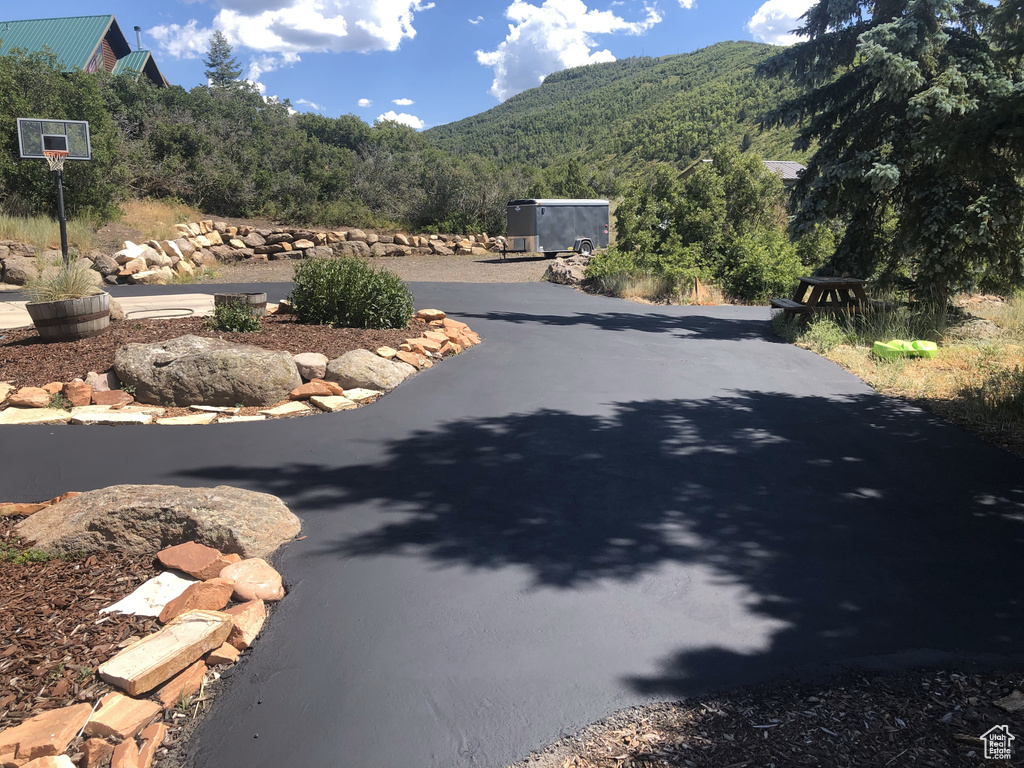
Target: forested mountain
x=623, y=114
x=224, y=148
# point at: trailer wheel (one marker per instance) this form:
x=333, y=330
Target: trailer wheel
x=586, y=248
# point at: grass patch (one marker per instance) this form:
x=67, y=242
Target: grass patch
x=156, y=218
x=197, y=276
x=44, y=232
x=11, y=553
x=654, y=288
x=977, y=383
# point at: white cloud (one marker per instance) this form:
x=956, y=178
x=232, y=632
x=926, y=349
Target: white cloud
x=403, y=102
x=182, y=42
x=260, y=65
x=775, y=19
x=556, y=35
x=311, y=104
x=401, y=117
x=477, y=20
x=302, y=26
x=365, y=103
x=299, y=26
x=687, y=4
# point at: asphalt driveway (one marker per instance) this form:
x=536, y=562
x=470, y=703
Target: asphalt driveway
x=603, y=504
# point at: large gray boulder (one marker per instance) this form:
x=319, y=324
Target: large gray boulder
x=568, y=271
x=147, y=518
x=361, y=368
x=353, y=248
x=18, y=270
x=193, y=370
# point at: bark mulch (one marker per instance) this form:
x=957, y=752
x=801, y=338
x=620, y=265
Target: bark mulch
x=26, y=360
x=932, y=718
x=52, y=636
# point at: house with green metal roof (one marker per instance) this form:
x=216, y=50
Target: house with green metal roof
x=88, y=43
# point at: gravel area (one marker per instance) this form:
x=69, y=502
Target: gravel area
x=428, y=269
x=921, y=718
x=25, y=360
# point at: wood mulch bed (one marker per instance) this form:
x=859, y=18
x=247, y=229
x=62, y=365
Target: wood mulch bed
x=26, y=360
x=932, y=718
x=52, y=636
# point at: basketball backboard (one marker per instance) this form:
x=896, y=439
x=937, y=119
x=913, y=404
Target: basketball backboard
x=36, y=135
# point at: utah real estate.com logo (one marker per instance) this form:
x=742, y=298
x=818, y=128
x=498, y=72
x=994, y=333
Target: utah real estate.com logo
x=998, y=743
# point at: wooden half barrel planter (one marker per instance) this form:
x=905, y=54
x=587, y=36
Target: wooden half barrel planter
x=71, y=319
x=257, y=302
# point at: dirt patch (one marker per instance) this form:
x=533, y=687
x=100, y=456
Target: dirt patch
x=413, y=268
x=26, y=360
x=920, y=718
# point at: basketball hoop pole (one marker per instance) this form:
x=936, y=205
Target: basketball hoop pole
x=59, y=173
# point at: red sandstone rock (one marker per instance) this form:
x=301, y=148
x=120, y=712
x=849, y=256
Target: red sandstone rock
x=226, y=654
x=112, y=397
x=312, y=389
x=212, y=571
x=151, y=738
x=54, y=387
x=209, y=595
x=78, y=393
x=248, y=618
x=411, y=358
x=97, y=752
x=121, y=716
x=30, y=397
x=336, y=389
x=190, y=557
x=126, y=755
x=182, y=685
x=46, y=734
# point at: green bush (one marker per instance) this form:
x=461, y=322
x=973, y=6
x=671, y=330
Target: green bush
x=234, y=317
x=349, y=293
x=762, y=265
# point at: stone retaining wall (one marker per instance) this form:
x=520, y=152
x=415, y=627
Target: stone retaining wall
x=201, y=243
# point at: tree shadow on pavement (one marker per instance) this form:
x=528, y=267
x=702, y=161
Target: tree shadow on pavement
x=856, y=526
x=696, y=325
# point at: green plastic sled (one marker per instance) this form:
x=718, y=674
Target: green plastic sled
x=899, y=348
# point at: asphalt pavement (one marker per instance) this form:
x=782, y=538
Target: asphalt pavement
x=603, y=504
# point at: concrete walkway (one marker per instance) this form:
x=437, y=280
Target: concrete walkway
x=603, y=504
x=14, y=315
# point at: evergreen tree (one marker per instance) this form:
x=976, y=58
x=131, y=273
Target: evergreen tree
x=912, y=103
x=222, y=69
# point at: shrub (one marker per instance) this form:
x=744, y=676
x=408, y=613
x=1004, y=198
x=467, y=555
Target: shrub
x=234, y=317
x=351, y=294
x=762, y=265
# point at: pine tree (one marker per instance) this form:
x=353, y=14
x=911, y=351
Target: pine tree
x=222, y=69
x=912, y=103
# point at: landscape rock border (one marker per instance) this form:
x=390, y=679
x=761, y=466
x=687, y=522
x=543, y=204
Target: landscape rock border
x=354, y=379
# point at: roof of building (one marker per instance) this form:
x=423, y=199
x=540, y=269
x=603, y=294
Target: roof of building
x=75, y=40
x=787, y=169
x=138, y=62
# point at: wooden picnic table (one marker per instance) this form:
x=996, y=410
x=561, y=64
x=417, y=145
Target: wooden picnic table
x=825, y=294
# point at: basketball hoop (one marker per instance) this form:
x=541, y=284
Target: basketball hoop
x=55, y=158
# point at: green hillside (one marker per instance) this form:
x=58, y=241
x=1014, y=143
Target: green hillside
x=626, y=113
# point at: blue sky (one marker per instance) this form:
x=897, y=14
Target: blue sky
x=425, y=63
